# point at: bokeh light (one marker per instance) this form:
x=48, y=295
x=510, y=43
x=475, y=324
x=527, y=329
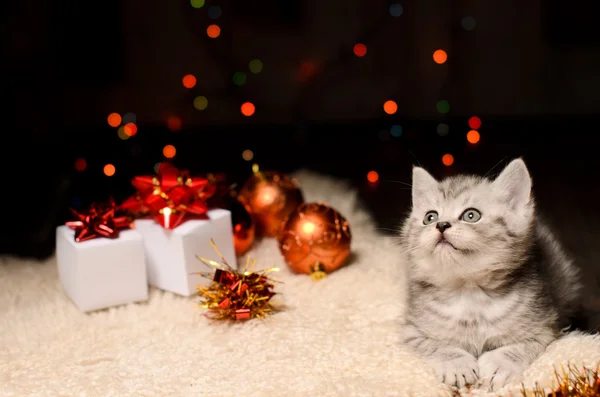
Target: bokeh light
x=129, y=118
x=396, y=131
x=474, y=123
x=473, y=136
x=121, y=133
x=130, y=129
x=197, y=3
x=440, y=56
x=239, y=78
x=109, y=170
x=255, y=66
x=247, y=155
x=189, y=81
x=157, y=167
x=213, y=31
x=372, y=176
x=80, y=164
x=200, y=102
x=390, y=107
x=447, y=159
x=443, y=129
x=169, y=151
x=360, y=50
x=248, y=109
x=468, y=23
x=214, y=12
x=443, y=106
x=174, y=123
x=396, y=10
x=114, y=119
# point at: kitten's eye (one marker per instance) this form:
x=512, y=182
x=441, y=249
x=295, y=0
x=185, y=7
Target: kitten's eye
x=430, y=217
x=471, y=215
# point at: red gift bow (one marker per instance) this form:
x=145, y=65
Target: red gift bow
x=238, y=284
x=98, y=221
x=170, y=196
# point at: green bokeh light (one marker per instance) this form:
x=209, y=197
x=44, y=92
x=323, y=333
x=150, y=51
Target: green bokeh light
x=239, y=78
x=443, y=106
x=255, y=66
x=197, y=3
x=200, y=102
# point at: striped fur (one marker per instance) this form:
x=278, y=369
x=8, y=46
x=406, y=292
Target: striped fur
x=482, y=307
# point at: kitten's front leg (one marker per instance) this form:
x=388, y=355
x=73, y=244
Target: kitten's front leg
x=506, y=364
x=453, y=365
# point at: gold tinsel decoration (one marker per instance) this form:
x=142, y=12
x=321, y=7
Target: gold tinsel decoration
x=571, y=382
x=235, y=295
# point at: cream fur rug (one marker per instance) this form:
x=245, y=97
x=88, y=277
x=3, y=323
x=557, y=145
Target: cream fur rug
x=338, y=337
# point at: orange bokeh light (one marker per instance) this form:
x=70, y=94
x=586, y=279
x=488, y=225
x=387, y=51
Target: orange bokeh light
x=440, y=56
x=174, y=123
x=360, y=50
x=109, y=170
x=248, y=109
x=213, y=31
x=169, y=151
x=372, y=176
x=130, y=129
x=114, y=119
x=390, y=107
x=80, y=164
x=473, y=136
x=474, y=123
x=448, y=159
x=189, y=81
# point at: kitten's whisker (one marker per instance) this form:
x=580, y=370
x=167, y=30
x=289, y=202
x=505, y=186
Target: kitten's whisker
x=399, y=182
x=497, y=164
x=387, y=229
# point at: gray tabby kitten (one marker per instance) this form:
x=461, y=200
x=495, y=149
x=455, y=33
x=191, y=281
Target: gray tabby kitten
x=488, y=283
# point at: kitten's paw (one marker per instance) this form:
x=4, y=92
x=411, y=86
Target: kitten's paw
x=496, y=370
x=458, y=371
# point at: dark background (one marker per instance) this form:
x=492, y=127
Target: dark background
x=529, y=70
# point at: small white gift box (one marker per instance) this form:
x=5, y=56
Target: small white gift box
x=101, y=272
x=171, y=254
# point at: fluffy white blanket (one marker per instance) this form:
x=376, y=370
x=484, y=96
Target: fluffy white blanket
x=337, y=337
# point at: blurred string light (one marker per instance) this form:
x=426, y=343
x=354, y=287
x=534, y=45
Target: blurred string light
x=80, y=164
x=396, y=10
x=247, y=109
x=114, y=119
x=255, y=66
x=214, y=12
x=174, y=123
x=474, y=123
x=390, y=107
x=109, y=170
x=247, y=155
x=396, y=131
x=468, y=23
x=130, y=129
x=189, y=81
x=169, y=151
x=121, y=133
x=447, y=159
x=213, y=31
x=200, y=102
x=129, y=118
x=473, y=136
x=372, y=176
x=157, y=167
x=440, y=56
x=197, y=3
x=443, y=106
x=239, y=78
x=443, y=129
x=360, y=50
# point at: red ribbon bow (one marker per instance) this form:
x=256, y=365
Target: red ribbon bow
x=239, y=299
x=98, y=221
x=170, y=196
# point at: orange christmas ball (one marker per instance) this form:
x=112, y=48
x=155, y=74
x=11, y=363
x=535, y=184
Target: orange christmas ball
x=270, y=197
x=243, y=227
x=314, y=237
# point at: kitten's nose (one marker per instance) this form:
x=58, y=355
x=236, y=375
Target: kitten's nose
x=441, y=226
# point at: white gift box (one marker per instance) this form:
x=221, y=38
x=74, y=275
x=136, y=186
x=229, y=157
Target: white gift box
x=171, y=254
x=101, y=273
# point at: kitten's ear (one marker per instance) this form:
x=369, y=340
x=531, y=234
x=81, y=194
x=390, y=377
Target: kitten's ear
x=422, y=183
x=514, y=183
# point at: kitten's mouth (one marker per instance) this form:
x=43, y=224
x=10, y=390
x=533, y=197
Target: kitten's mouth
x=442, y=242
